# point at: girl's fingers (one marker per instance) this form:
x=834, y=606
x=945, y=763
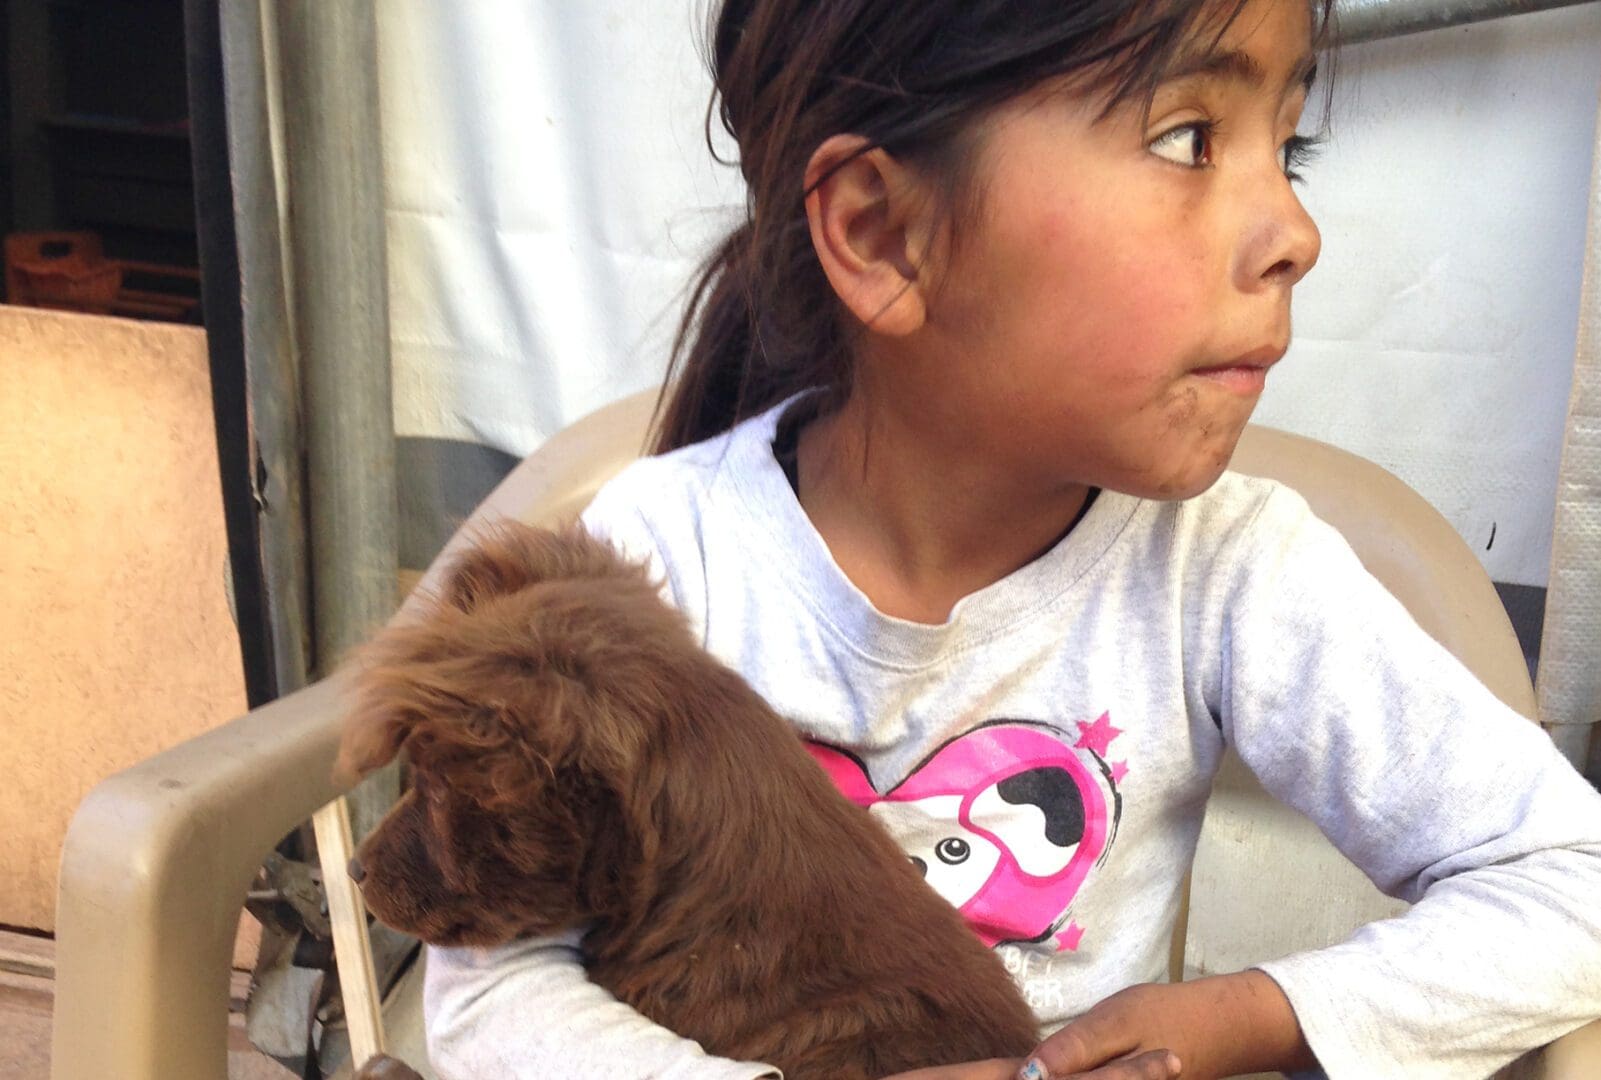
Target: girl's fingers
x=1097, y=1038
x=1151, y=1065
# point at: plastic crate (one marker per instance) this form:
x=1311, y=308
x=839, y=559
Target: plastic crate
x=61, y=270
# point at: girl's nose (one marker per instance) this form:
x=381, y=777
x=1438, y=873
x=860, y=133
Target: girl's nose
x=1285, y=244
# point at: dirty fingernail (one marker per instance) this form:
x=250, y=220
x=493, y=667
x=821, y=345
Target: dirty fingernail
x=1034, y=1070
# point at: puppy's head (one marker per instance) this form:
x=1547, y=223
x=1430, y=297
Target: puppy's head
x=524, y=701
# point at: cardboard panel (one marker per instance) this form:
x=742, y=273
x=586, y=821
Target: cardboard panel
x=116, y=639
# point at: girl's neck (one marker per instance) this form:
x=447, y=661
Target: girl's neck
x=914, y=521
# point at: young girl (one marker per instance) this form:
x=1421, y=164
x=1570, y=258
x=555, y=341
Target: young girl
x=941, y=472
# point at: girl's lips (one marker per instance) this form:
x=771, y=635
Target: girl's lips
x=1245, y=375
x=1240, y=378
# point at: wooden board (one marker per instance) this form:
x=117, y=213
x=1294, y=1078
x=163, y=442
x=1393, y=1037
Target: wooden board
x=116, y=639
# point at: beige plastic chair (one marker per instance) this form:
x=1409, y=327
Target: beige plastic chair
x=158, y=858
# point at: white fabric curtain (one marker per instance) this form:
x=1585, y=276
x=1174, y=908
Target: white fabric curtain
x=550, y=191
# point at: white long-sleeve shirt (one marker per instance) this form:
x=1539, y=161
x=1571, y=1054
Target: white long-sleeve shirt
x=1046, y=754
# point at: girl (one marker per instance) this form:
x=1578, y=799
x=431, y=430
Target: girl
x=941, y=472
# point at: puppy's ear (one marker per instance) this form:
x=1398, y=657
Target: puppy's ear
x=373, y=734
x=509, y=556
x=395, y=689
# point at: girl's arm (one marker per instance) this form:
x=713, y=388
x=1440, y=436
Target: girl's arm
x=1440, y=793
x=1444, y=796
x=527, y=1011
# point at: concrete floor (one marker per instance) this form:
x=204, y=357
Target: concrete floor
x=27, y=992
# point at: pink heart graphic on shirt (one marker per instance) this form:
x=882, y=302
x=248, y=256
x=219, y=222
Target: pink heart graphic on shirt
x=1006, y=821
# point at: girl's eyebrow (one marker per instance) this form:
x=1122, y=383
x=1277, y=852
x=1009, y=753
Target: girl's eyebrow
x=1236, y=66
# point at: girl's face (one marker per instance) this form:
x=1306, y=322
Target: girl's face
x=1111, y=317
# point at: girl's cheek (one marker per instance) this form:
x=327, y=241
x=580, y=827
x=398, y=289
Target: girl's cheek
x=1149, y=301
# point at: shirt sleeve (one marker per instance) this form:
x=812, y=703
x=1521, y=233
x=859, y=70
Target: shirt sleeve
x=1443, y=795
x=527, y=1010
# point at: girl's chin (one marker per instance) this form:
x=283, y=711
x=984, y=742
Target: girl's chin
x=1199, y=477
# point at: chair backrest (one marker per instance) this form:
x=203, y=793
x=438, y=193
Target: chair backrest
x=558, y=480
x=1247, y=904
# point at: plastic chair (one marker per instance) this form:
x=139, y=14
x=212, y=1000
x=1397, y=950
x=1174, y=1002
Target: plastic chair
x=158, y=858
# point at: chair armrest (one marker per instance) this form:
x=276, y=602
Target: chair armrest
x=154, y=871
x=1575, y=1056
x=158, y=859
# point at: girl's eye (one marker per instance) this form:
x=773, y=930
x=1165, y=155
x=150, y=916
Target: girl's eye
x=1189, y=145
x=1298, y=152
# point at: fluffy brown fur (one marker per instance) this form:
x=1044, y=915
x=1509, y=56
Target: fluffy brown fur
x=577, y=758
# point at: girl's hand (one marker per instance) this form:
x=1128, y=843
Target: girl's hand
x=1120, y=1038
x=1214, y=1027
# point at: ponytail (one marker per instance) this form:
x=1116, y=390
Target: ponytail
x=709, y=373
x=738, y=350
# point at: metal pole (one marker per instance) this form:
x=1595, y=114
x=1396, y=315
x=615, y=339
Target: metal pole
x=273, y=370
x=1368, y=20
x=341, y=310
x=329, y=52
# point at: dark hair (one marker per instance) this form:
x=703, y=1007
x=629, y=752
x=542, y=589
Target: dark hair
x=910, y=76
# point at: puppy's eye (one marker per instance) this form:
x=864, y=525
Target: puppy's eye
x=953, y=850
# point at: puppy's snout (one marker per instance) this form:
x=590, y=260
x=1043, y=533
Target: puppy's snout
x=356, y=871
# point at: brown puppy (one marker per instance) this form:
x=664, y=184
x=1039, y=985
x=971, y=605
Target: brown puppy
x=576, y=758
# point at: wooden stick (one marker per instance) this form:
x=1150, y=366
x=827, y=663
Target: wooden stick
x=358, y=980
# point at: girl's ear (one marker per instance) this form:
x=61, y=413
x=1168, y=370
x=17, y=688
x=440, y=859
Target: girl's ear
x=872, y=226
